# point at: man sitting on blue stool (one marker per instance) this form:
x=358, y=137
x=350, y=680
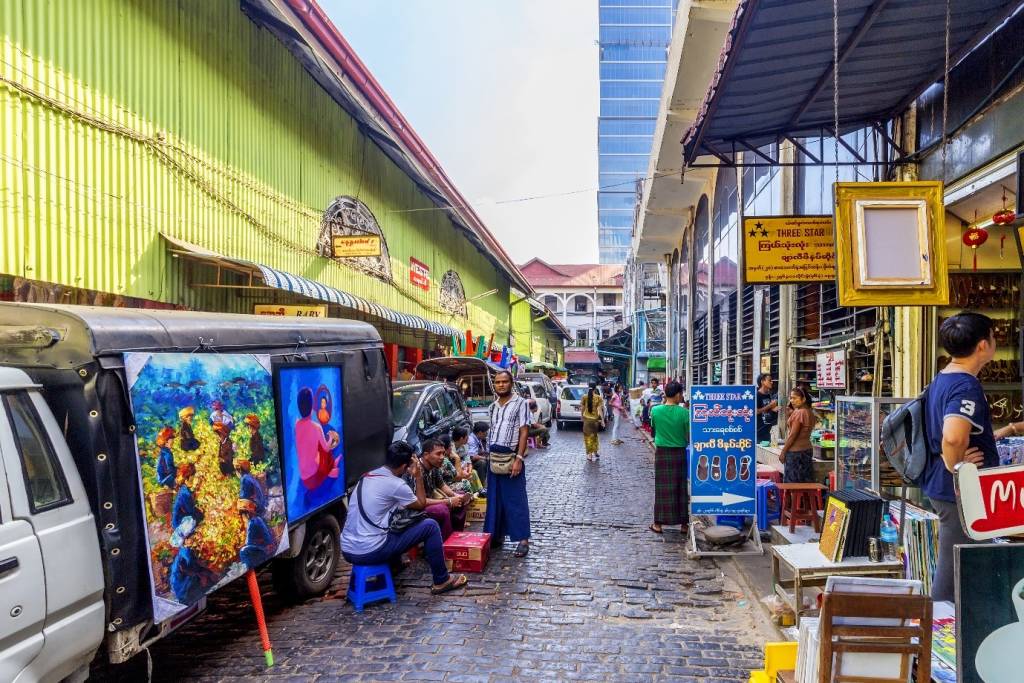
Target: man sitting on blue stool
x=367, y=538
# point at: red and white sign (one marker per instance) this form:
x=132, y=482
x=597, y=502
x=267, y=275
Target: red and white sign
x=419, y=274
x=832, y=369
x=991, y=500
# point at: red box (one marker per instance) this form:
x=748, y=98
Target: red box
x=467, y=551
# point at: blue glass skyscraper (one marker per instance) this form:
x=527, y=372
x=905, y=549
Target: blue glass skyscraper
x=634, y=43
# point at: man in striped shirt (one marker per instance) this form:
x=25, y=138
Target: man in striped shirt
x=508, y=511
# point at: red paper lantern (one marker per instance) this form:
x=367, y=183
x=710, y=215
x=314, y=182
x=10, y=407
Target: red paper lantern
x=974, y=238
x=1004, y=217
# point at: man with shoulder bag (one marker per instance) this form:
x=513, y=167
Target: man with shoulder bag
x=508, y=511
x=373, y=534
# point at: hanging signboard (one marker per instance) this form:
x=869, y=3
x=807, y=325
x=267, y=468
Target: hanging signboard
x=346, y=246
x=788, y=250
x=290, y=311
x=991, y=500
x=419, y=274
x=831, y=369
x=722, y=468
x=891, y=244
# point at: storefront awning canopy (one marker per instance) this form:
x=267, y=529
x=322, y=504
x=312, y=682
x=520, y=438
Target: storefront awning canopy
x=279, y=279
x=774, y=79
x=581, y=357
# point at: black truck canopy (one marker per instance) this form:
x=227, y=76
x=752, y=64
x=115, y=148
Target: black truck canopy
x=71, y=336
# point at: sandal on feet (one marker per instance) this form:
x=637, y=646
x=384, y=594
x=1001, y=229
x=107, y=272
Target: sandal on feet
x=522, y=550
x=453, y=583
x=657, y=531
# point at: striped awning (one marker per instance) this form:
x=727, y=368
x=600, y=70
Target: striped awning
x=289, y=282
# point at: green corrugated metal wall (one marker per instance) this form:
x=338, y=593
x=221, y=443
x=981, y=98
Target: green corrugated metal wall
x=121, y=119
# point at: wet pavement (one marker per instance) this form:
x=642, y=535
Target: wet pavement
x=599, y=598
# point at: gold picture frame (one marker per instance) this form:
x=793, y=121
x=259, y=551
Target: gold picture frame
x=890, y=244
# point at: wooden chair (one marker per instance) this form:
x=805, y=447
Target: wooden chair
x=877, y=639
x=801, y=503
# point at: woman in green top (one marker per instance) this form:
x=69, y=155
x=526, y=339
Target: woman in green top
x=671, y=423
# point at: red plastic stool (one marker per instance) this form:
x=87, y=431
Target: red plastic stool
x=801, y=503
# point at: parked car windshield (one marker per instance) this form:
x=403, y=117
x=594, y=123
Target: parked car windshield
x=574, y=393
x=403, y=403
x=538, y=391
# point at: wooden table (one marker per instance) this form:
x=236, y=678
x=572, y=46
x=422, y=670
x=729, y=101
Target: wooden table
x=809, y=568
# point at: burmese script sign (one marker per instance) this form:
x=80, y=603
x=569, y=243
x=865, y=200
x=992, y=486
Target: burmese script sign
x=348, y=246
x=991, y=500
x=788, y=249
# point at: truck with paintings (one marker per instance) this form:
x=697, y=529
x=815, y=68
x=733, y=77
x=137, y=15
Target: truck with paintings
x=148, y=458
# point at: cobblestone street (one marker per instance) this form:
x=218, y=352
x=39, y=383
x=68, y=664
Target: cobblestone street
x=600, y=598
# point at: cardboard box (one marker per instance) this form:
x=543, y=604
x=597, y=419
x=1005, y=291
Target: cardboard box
x=467, y=551
x=477, y=511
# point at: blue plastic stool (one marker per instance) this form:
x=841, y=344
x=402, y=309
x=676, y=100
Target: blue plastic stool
x=765, y=516
x=735, y=521
x=359, y=591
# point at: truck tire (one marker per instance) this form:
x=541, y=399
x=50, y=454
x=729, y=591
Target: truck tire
x=310, y=573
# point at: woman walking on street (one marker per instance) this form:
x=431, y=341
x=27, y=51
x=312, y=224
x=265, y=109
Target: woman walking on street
x=618, y=413
x=796, y=452
x=592, y=411
x=671, y=423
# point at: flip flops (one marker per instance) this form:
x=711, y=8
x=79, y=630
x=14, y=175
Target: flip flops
x=454, y=583
x=522, y=550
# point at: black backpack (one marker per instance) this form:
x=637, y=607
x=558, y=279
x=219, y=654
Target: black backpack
x=904, y=442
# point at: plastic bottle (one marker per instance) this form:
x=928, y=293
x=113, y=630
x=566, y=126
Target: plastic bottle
x=890, y=538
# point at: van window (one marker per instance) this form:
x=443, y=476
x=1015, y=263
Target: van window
x=573, y=393
x=44, y=479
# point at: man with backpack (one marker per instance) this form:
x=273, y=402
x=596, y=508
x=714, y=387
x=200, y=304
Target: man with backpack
x=958, y=426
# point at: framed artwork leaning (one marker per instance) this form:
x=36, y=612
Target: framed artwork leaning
x=890, y=244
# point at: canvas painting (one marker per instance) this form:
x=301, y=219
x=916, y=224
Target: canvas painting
x=209, y=470
x=312, y=447
x=989, y=611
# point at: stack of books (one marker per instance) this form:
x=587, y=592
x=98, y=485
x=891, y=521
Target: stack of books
x=865, y=510
x=920, y=541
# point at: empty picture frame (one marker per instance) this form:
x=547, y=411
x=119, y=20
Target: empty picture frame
x=890, y=248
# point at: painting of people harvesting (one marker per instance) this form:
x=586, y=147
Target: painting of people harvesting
x=310, y=406
x=209, y=468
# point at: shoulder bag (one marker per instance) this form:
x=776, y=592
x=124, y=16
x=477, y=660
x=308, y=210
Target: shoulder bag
x=501, y=463
x=400, y=519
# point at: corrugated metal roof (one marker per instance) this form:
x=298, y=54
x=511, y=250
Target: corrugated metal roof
x=279, y=279
x=774, y=78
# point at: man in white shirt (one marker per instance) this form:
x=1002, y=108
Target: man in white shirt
x=508, y=510
x=366, y=538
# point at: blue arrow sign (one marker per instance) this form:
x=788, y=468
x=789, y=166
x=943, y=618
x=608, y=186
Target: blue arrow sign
x=722, y=462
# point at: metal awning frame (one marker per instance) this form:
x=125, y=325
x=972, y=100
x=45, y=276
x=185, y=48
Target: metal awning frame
x=794, y=129
x=759, y=159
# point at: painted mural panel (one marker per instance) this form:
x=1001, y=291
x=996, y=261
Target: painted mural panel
x=209, y=470
x=310, y=406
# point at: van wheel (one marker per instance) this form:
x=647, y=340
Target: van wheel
x=561, y=425
x=309, y=573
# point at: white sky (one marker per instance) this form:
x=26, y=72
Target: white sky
x=505, y=94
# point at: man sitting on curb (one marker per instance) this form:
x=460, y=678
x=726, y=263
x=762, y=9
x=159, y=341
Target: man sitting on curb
x=476, y=448
x=366, y=538
x=537, y=429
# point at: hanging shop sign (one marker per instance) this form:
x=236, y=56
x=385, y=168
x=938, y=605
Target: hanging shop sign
x=991, y=500
x=788, y=249
x=722, y=468
x=347, y=246
x=290, y=311
x=831, y=369
x=419, y=274
x=890, y=244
